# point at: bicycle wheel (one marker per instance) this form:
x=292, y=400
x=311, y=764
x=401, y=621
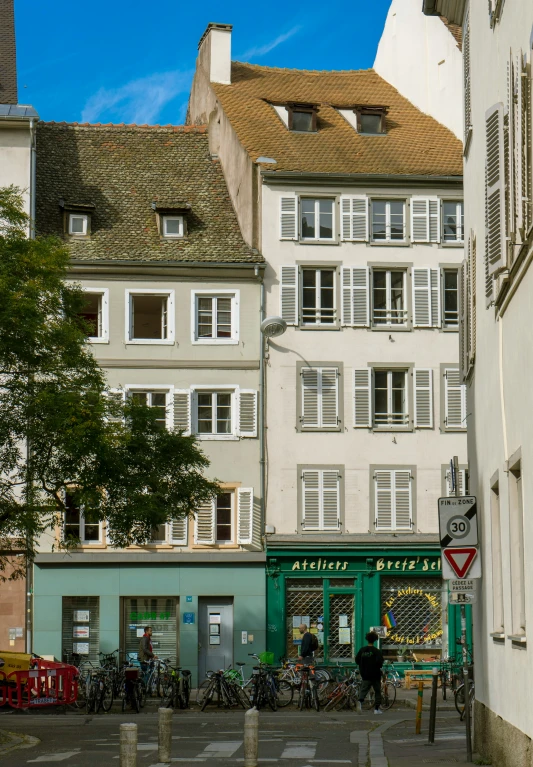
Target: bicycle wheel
x=201, y=691
x=81, y=698
x=91, y=698
x=208, y=694
x=333, y=699
x=314, y=698
x=285, y=693
x=460, y=698
x=167, y=699
x=135, y=698
x=107, y=697
x=271, y=695
x=301, y=696
x=388, y=695
x=142, y=693
x=185, y=689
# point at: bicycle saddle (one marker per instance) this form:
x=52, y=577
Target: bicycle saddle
x=241, y=664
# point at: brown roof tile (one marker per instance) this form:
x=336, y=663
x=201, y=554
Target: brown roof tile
x=415, y=144
x=455, y=30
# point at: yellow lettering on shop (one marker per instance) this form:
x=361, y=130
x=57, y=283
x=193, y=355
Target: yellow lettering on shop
x=407, y=564
x=319, y=564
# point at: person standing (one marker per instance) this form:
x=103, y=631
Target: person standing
x=308, y=646
x=146, y=651
x=370, y=661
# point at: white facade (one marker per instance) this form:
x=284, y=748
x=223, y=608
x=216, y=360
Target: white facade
x=420, y=57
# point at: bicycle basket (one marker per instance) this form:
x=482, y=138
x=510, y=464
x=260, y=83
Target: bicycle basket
x=131, y=674
x=266, y=657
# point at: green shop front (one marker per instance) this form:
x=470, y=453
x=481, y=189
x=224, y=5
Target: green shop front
x=206, y=610
x=342, y=594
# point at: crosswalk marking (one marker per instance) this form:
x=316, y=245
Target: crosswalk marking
x=221, y=748
x=55, y=757
x=300, y=750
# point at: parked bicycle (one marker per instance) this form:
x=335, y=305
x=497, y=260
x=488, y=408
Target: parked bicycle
x=175, y=687
x=222, y=691
x=388, y=695
x=308, y=692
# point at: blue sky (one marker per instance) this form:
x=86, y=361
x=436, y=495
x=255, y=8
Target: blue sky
x=118, y=61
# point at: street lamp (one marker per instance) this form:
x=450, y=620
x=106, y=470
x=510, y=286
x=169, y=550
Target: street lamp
x=273, y=326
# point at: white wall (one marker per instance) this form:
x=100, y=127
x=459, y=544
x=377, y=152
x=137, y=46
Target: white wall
x=418, y=55
x=15, y=159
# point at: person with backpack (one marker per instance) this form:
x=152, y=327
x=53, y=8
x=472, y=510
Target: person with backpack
x=370, y=660
x=309, y=645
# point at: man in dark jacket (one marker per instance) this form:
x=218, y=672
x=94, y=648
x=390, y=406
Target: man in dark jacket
x=146, y=651
x=306, y=648
x=370, y=660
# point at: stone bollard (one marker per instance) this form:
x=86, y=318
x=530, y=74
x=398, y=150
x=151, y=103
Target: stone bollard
x=251, y=737
x=165, y=734
x=128, y=745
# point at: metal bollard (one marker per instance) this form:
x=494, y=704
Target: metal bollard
x=128, y=745
x=251, y=737
x=433, y=706
x=419, y=702
x=165, y=734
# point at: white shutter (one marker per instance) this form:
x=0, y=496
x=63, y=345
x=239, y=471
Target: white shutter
x=245, y=511
x=422, y=297
x=425, y=219
x=510, y=143
x=354, y=215
x=362, y=398
x=495, y=240
x=435, y=292
x=461, y=481
x=489, y=283
x=355, y=296
x=329, y=398
x=466, y=77
x=383, y=500
x=289, y=294
x=526, y=138
x=321, y=499
x=311, y=499
x=179, y=531
x=182, y=411
x=117, y=396
x=309, y=417
x=288, y=218
x=247, y=413
x=330, y=499
x=423, y=398
x=402, y=500
x=204, y=526
x=454, y=400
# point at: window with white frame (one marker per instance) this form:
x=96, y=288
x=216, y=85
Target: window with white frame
x=453, y=221
x=317, y=219
x=79, y=525
x=156, y=400
x=321, y=499
x=393, y=499
x=215, y=317
x=150, y=316
x=78, y=224
x=224, y=517
x=95, y=314
x=390, y=398
x=388, y=220
x=389, y=297
x=318, y=296
x=214, y=413
x=173, y=226
x=450, y=303
x=228, y=518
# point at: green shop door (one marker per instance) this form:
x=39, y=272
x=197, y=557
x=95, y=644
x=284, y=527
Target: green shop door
x=340, y=610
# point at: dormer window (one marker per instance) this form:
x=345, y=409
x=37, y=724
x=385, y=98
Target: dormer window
x=77, y=218
x=171, y=217
x=371, y=120
x=302, y=118
x=173, y=226
x=78, y=224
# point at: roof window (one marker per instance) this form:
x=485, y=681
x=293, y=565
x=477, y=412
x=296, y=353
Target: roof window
x=367, y=120
x=302, y=118
x=77, y=218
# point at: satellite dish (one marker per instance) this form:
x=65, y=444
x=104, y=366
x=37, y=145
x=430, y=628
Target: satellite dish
x=273, y=326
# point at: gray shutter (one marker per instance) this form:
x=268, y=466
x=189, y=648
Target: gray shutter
x=354, y=218
x=247, y=413
x=309, y=417
x=436, y=311
x=526, y=145
x=289, y=294
x=509, y=146
x=489, y=283
x=179, y=531
x=330, y=499
x=362, y=398
x=419, y=219
x=421, y=297
x=204, y=527
x=423, y=398
x=495, y=180
x=355, y=296
x=463, y=321
x=455, y=400
x=245, y=510
x=288, y=218
x=383, y=499
x=311, y=499
x=472, y=318
x=466, y=78
x=182, y=411
x=461, y=477
x=434, y=219
x=402, y=500
x=329, y=398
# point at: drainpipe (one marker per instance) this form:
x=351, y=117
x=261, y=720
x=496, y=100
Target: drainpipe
x=262, y=386
x=33, y=175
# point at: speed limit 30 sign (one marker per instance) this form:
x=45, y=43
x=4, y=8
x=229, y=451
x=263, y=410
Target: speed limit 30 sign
x=458, y=521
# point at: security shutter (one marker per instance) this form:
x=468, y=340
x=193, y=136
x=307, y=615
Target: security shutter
x=179, y=531
x=182, y=411
x=289, y=294
x=362, y=398
x=321, y=499
x=393, y=499
x=426, y=298
x=75, y=611
x=425, y=219
x=466, y=78
x=355, y=296
x=495, y=189
x=462, y=481
x=320, y=398
x=354, y=214
x=454, y=400
x=247, y=413
x=288, y=218
x=245, y=509
x=204, y=527
x=423, y=398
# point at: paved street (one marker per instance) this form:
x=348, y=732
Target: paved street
x=215, y=737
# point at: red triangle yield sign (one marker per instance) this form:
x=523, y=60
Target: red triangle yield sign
x=460, y=559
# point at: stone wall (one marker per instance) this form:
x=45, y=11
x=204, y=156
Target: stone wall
x=498, y=740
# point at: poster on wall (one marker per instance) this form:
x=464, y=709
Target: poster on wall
x=344, y=636
x=81, y=616
x=80, y=632
x=296, y=620
x=214, y=617
x=214, y=639
x=343, y=621
x=81, y=648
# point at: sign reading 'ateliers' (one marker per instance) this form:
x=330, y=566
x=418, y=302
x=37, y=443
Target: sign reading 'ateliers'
x=418, y=564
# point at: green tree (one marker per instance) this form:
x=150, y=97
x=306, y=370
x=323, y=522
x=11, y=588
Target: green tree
x=61, y=429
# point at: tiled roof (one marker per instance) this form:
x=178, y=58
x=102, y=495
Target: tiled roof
x=455, y=30
x=122, y=170
x=415, y=144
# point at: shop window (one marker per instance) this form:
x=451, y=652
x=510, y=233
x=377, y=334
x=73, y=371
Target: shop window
x=305, y=604
x=81, y=628
x=159, y=613
x=412, y=610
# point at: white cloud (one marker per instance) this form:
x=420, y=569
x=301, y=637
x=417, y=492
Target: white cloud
x=262, y=50
x=139, y=101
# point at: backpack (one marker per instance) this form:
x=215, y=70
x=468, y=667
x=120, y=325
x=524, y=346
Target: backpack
x=314, y=642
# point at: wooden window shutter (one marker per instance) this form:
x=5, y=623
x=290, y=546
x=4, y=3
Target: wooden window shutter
x=289, y=294
x=354, y=218
x=329, y=398
x=116, y=397
x=489, y=282
x=182, y=411
x=311, y=499
x=247, y=413
x=309, y=417
x=320, y=398
x=288, y=218
x=466, y=78
x=454, y=400
x=423, y=398
x=495, y=188
x=355, y=296
x=463, y=321
x=245, y=518
x=472, y=321
x=362, y=398
x=461, y=481
x=179, y=531
x=330, y=499
x=204, y=527
x=425, y=219
x=509, y=150
x=403, y=515
x=435, y=292
x=422, y=297
x=383, y=499
x=527, y=147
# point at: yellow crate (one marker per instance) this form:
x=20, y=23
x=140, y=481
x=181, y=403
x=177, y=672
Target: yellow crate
x=14, y=661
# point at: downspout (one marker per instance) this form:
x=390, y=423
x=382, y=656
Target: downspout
x=33, y=177
x=262, y=386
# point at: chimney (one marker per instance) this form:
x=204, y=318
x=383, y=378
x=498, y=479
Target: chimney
x=214, y=52
x=8, y=56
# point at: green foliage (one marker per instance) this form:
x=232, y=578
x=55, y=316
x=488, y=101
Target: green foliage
x=112, y=456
